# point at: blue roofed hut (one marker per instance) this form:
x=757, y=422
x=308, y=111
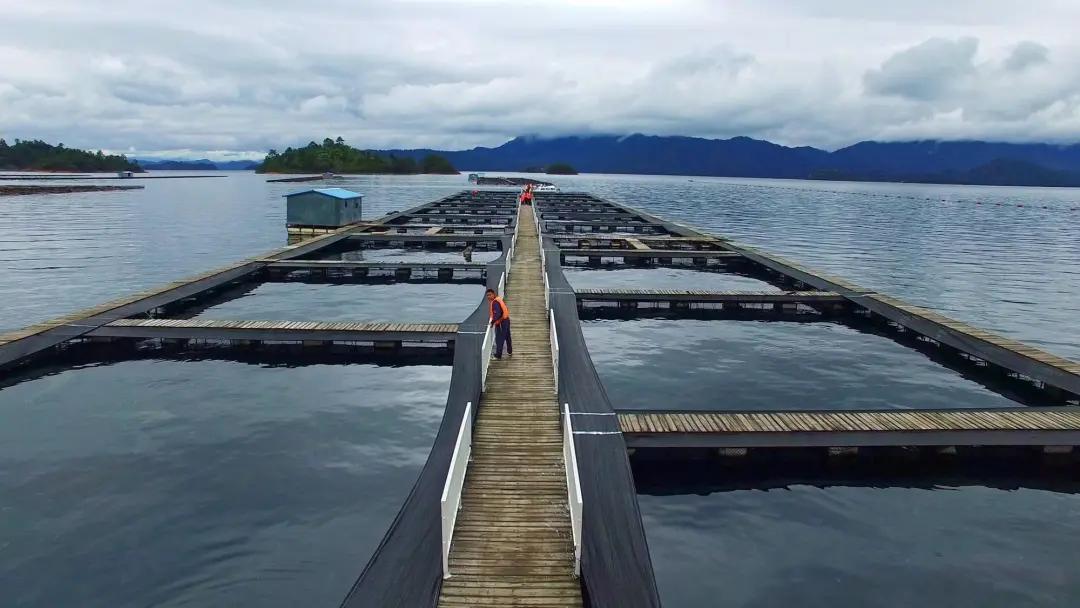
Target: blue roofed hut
x=323, y=207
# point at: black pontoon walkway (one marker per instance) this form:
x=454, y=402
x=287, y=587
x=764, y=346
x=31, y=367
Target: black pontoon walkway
x=513, y=541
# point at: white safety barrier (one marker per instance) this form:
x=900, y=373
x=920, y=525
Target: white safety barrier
x=573, y=486
x=554, y=348
x=547, y=292
x=543, y=263
x=485, y=355
x=455, y=482
x=509, y=256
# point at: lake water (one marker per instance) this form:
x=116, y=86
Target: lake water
x=390, y=303
x=205, y=483
x=166, y=483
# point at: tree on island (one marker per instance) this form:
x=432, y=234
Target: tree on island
x=433, y=163
x=561, y=169
x=36, y=155
x=335, y=156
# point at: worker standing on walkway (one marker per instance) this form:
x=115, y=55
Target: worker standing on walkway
x=527, y=195
x=500, y=320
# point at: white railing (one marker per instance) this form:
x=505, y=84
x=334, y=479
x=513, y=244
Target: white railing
x=455, y=481
x=513, y=239
x=547, y=292
x=554, y=348
x=485, y=355
x=509, y=257
x=573, y=486
x=543, y=262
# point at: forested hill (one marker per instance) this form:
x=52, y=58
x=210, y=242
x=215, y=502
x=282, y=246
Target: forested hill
x=956, y=162
x=338, y=157
x=36, y=155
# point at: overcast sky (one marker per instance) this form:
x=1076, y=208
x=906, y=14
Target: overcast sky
x=226, y=78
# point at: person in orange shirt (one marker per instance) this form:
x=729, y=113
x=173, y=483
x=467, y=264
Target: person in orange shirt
x=500, y=320
x=527, y=195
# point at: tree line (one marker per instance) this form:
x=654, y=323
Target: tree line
x=36, y=155
x=334, y=155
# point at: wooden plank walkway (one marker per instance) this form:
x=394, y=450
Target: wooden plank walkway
x=1007, y=353
x=372, y=265
x=442, y=237
x=681, y=295
x=1057, y=426
x=648, y=253
x=512, y=543
x=341, y=331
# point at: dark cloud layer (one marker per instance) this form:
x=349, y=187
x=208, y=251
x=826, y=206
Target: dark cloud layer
x=216, y=79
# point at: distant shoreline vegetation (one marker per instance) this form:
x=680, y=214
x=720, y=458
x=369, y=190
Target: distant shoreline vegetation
x=561, y=169
x=924, y=161
x=36, y=155
x=552, y=169
x=335, y=156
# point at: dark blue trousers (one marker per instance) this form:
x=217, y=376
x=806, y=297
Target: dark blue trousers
x=502, y=336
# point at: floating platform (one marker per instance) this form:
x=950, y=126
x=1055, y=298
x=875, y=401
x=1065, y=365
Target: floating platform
x=1055, y=426
x=708, y=297
x=484, y=180
x=278, y=331
x=29, y=190
x=439, y=237
x=302, y=178
x=334, y=270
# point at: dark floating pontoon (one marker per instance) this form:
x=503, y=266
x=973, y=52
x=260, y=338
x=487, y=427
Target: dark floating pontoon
x=528, y=495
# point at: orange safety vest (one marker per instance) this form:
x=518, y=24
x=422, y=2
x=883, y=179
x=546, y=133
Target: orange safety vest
x=506, y=310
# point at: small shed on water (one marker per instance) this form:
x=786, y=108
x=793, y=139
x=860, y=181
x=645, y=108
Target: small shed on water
x=323, y=207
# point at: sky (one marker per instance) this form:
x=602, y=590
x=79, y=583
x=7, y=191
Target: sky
x=232, y=78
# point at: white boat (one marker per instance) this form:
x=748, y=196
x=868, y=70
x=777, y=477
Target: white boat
x=545, y=188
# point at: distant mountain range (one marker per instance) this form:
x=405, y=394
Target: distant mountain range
x=174, y=164
x=950, y=162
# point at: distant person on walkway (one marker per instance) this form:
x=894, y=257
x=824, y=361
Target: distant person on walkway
x=500, y=320
x=467, y=253
x=527, y=195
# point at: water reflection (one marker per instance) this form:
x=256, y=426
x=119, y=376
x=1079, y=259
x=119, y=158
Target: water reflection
x=693, y=364
x=806, y=545
x=395, y=303
x=205, y=482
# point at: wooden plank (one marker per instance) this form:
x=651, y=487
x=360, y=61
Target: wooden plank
x=993, y=426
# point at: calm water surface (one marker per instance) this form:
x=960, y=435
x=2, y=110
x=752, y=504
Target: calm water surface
x=756, y=365
x=205, y=483
x=885, y=547
x=391, y=303
x=167, y=483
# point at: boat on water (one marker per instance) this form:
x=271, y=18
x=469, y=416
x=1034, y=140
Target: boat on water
x=545, y=188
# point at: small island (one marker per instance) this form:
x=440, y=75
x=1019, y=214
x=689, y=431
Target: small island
x=335, y=156
x=36, y=155
x=561, y=169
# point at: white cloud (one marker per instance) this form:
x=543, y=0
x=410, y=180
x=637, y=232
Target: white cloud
x=243, y=76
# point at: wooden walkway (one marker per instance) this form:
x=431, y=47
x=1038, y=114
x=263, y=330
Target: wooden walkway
x=1052, y=426
x=696, y=296
x=296, y=331
x=512, y=543
x=648, y=253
